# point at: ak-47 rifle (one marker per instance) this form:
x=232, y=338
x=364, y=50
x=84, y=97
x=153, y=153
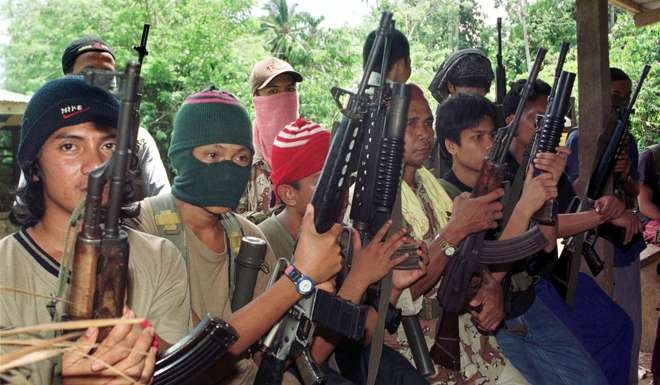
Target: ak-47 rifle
x=568, y=266
x=100, y=274
x=463, y=272
x=500, y=71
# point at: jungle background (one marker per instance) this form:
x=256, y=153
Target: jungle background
x=194, y=43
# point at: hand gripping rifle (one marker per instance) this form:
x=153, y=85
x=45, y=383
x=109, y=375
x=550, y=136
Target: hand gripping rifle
x=462, y=275
x=549, y=132
x=568, y=266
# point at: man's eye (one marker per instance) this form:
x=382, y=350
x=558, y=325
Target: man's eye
x=291, y=88
x=273, y=91
x=243, y=160
x=67, y=147
x=110, y=146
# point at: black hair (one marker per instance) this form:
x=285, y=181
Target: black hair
x=399, y=48
x=617, y=74
x=28, y=208
x=512, y=98
x=460, y=112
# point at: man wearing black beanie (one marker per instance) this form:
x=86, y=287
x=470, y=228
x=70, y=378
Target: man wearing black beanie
x=68, y=130
x=92, y=53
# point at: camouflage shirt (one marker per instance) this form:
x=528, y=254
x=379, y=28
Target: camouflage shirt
x=258, y=198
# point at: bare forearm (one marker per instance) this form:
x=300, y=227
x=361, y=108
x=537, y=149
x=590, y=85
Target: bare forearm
x=646, y=206
x=518, y=224
x=257, y=317
x=570, y=224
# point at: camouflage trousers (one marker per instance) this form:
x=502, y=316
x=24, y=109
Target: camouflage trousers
x=482, y=361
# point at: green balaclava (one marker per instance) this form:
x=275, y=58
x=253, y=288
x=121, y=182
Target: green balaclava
x=208, y=117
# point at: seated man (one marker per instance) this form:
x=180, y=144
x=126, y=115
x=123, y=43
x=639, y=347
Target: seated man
x=211, y=152
x=467, y=136
x=607, y=342
x=425, y=204
x=649, y=192
x=298, y=154
x=57, y=146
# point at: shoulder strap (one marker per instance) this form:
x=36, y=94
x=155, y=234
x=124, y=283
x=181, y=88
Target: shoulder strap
x=168, y=221
x=233, y=235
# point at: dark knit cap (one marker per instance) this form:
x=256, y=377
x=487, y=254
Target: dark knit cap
x=79, y=47
x=59, y=103
x=210, y=116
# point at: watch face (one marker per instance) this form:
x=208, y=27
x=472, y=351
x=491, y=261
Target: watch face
x=305, y=286
x=449, y=251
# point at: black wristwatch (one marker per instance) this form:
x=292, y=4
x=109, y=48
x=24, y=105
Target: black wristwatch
x=304, y=284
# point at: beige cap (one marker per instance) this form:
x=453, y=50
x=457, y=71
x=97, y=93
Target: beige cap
x=267, y=69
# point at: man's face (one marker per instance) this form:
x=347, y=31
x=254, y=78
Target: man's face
x=67, y=157
x=218, y=152
x=281, y=83
x=420, y=136
x=527, y=126
x=305, y=191
x=620, y=93
x=474, y=144
x=94, y=60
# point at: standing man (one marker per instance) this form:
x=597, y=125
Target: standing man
x=275, y=99
x=649, y=192
x=58, y=146
x=91, y=53
x=464, y=71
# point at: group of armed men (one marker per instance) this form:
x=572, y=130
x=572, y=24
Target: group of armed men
x=518, y=329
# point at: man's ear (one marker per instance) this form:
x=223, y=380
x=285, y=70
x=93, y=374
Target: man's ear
x=287, y=194
x=35, y=173
x=508, y=119
x=450, y=146
x=451, y=87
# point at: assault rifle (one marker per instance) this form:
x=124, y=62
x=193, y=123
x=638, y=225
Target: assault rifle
x=500, y=72
x=567, y=269
x=551, y=127
x=546, y=138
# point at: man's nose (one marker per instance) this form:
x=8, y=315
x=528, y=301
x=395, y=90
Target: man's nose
x=93, y=160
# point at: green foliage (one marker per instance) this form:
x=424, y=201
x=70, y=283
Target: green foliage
x=194, y=43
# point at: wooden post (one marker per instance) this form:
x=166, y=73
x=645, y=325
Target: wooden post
x=594, y=101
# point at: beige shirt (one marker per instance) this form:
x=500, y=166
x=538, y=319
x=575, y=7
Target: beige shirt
x=278, y=237
x=209, y=281
x=157, y=289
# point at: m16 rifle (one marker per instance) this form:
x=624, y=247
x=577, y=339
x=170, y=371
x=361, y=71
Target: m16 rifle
x=566, y=272
x=462, y=275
